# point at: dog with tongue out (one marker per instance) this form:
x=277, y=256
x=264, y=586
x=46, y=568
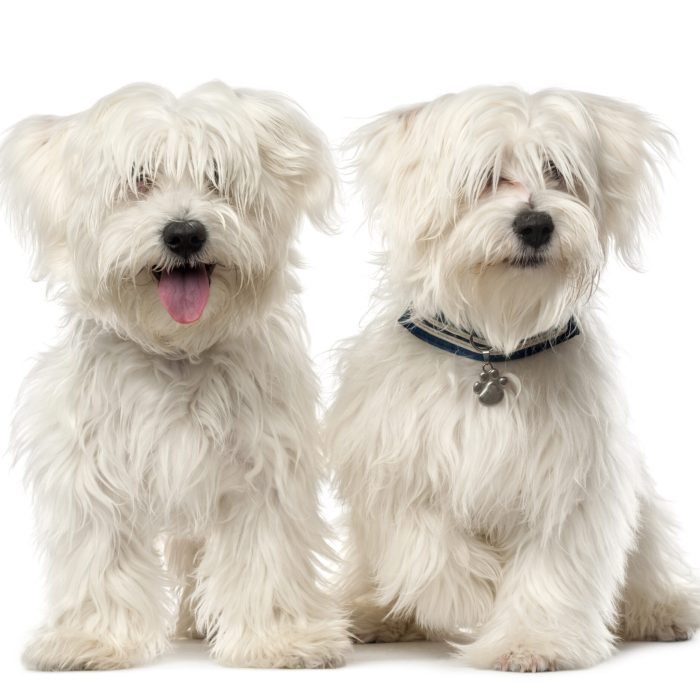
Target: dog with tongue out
x=178, y=405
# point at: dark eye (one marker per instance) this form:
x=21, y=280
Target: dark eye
x=551, y=172
x=144, y=185
x=502, y=179
x=214, y=179
x=144, y=182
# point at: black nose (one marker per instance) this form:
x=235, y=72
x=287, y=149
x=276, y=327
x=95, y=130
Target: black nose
x=185, y=238
x=534, y=227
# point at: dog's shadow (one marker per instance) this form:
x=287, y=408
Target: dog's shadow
x=429, y=653
x=197, y=652
x=401, y=652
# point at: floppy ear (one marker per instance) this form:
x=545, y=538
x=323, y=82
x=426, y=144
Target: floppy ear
x=380, y=154
x=296, y=154
x=632, y=148
x=397, y=160
x=34, y=190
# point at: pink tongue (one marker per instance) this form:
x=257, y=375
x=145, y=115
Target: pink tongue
x=184, y=292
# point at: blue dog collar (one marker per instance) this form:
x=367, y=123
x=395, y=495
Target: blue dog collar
x=438, y=333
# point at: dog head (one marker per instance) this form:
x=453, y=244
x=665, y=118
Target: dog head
x=499, y=207
x=170, y=220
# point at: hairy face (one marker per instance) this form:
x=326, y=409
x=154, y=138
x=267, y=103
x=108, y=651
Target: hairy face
x=171, y=220
x=498, y=207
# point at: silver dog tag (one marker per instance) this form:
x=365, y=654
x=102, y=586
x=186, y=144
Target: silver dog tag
x=489, y=388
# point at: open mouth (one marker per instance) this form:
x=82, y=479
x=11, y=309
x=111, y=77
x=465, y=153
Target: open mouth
x=184, y=290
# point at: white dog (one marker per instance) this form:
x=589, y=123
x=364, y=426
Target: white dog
x=505, y=497
x=180, y=402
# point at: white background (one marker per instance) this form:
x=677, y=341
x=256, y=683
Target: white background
x=344, y=62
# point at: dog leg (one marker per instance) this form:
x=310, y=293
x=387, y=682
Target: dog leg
x=428, y=575
x=257, y=594
x=556, y=603
x=661, y=601
x=370, y=622
x=106, y=594
x=182, y=558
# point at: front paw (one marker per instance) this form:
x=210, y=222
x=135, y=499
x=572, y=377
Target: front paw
x=524, y=661
x=675, y=619
x=517, y=657
x=57, y=649
x=529, y=654
x=302, y=648
x=371, y=624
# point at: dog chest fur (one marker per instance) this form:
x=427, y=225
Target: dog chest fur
x=174, y=438
x=530, y=459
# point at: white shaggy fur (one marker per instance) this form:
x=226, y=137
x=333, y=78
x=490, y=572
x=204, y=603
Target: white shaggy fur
x=143, y=435
x=532, y=522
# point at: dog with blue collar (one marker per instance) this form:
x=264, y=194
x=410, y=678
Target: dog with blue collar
x=495, y=495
